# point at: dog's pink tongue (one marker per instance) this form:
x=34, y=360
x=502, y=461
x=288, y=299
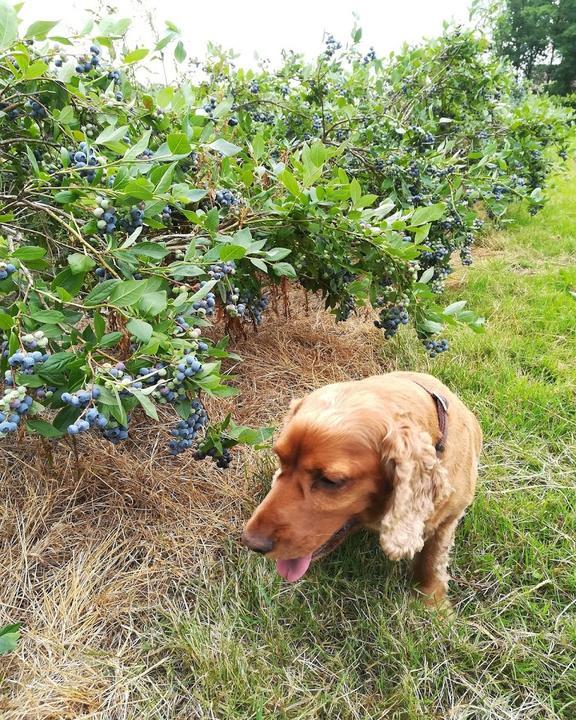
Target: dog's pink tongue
x=294, y=569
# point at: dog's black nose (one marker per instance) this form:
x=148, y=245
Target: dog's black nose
x=258, y=543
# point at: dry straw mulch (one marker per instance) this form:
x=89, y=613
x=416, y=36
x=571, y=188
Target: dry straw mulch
x=91, y=549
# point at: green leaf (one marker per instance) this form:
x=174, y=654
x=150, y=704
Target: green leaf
x=428, y=214
x=212, y=220
x=9, y=634
x=44, y=428
x=178, y=144
x=128, y=292
x=140, y=188
x=6, y=321
x=139, y=147
x=101, y=292
x=140, y=329
x=455, y=307
x=231, y=252
x=258, y=146
x=8, y=24
x=284, y=270
x=153, y=303
x=431, y=327
x=289, y=182
x=110, y=339
x=29, y=252
x=65, y=196
x=180, y=52
x=224, y=147
x=260, y=264
x=40, y=28
x=135, y=56
x=204, y=290
x=184, y=194
x=147, y=404
x=99, y=325
x=118, y=410
x=427, y=275
x=111, y=134
x=278, y=253
x=80, y=263
x=355, y=192
x=49, y=317
x=66, y=115
x=156, y=251
x=68, y=283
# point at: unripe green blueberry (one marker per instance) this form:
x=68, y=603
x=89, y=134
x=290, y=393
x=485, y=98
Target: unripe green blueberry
x=105, y=203
x=101, y=224
x=98, y=212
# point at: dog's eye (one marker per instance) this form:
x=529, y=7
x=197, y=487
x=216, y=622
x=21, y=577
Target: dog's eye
x=324, y=482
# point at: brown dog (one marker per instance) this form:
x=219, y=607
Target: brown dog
x=395, y=453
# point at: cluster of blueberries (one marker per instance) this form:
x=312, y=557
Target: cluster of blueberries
x=37, y=111
x=258, y=308
x=261, y=116
x=254, y=87
x=84, y=160
x=222, y=461
x=25, y=362
x=224, y=198
x=234, y=308
x=498, y=191
x=6, y=269
x=435, y=347
x=106, y=216
x=134, y=220
x=391, y=318
x=218, y=271
x=440, y=274
x=210, y=106
x=203, y=308
x=91, y=417
x=465, y=250
x=437, y=253
x=370, y=56
x=14, y=403
x=84, y=65
x=115, y=432
x=12, y=114
x=185, y=431
x=332, y=45
x=35, y=340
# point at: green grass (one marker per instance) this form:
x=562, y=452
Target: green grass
x=349, y=641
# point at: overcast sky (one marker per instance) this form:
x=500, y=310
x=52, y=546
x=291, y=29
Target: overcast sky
x=264, y=27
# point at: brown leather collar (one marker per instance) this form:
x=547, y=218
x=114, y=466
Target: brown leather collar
x=442, y=412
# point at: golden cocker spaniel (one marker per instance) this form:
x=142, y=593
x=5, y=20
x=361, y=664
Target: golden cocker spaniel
x=396, y=453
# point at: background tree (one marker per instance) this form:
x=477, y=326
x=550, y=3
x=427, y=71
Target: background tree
x=539, y=39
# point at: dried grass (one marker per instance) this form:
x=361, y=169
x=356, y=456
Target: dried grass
x=90, y=550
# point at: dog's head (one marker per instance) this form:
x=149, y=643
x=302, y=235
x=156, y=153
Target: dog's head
x=332, y=477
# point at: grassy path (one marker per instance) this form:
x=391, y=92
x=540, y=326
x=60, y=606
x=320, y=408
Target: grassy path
x=349, y=642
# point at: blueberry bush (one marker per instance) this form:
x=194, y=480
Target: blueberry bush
x=141, y=226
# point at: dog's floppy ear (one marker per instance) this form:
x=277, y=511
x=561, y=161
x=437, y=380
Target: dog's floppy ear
x=419, y=482
x=293, y=408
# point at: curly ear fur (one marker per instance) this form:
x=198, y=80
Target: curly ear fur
x=419, y=484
